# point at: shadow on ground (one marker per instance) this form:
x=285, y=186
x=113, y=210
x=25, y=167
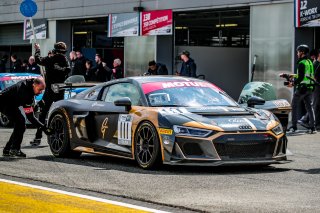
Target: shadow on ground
x=109, y=163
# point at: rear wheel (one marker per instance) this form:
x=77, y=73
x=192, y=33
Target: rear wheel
x=59, y=142
x=147, y=146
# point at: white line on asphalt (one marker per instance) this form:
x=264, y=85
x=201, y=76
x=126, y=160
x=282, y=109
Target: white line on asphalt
x=84, y=196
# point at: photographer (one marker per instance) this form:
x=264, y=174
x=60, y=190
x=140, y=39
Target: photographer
x=57, y=68
x=304, y=88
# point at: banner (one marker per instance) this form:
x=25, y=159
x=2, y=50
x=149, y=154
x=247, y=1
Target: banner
x=157, y=22
x=307, y=13
x=125, y=24
x=40, y=28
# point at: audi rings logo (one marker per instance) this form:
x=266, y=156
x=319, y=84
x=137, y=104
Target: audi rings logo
x=245, y=127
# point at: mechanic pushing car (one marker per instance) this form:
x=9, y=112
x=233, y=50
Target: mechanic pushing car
x=21, y=94
x=57, y=68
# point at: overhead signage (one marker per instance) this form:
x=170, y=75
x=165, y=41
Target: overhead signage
x=158, y=22
x=124, y=24
x=307, y=13
x=40, y=29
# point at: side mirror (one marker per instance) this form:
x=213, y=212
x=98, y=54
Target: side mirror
x=254, y=100
x=126, y=102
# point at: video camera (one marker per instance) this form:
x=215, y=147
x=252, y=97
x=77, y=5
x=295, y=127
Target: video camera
x=288, y=77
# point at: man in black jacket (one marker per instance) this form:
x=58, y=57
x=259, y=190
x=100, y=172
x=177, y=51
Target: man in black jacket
x=16, y=64
x=79, y=64
x=20, y=94
x=156, y=69
x=57, y=68
x=102, y=72
x=188, y=67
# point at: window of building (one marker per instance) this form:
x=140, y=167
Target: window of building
x=217, y=28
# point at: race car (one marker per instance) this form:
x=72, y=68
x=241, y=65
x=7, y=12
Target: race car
x=169, y=120
x=9, y=79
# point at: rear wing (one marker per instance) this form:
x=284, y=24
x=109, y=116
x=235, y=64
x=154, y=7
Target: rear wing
x=58, y=87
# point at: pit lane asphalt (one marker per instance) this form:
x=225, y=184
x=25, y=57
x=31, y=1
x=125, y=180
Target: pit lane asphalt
x=292, y=187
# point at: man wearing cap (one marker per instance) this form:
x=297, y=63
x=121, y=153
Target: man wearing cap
x=188, y=67
x=57, y=68
x=11, y=98
x=304, y=87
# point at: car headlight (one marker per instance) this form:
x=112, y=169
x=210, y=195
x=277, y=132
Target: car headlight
x=189, y=131
x=278, y=129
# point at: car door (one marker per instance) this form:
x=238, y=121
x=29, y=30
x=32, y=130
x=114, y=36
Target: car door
x=113, y=123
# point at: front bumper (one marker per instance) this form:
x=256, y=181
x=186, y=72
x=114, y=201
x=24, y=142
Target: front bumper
x=249, y=148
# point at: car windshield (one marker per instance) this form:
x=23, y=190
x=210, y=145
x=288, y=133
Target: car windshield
x=186, y=93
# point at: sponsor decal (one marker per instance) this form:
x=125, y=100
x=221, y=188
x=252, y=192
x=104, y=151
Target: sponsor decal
x=165, y=131
x=104, y=126
x=97, y=104
x=124, y=129
x=236, y=120
x=9, y=78
x=170, y=110
x=154, y=86
x=281, y=103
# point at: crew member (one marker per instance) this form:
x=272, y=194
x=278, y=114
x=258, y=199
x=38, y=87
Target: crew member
x=304, y=87
x=188, y=67
x=117, y=71
x=156, y=69
x=21, y=94
x=57, y=68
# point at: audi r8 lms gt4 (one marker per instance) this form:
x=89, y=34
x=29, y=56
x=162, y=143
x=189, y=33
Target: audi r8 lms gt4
x=169, y=120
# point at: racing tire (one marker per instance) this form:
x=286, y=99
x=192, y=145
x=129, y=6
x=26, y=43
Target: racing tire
x=59, y=142
x=147, y=151
x=4, y=121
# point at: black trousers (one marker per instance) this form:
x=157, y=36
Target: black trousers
x=19, y=122
x=306, y=97
x=316, y=105
x=48, y=97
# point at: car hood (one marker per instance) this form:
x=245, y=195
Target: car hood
x=218, y=118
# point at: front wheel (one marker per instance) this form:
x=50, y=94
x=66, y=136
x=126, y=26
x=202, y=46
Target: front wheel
x=59, y=142
x=147, y=146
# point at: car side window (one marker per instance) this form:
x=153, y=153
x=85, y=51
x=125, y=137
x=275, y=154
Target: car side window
x=93, y=95
x=122, y=90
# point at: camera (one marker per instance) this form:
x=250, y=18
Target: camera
x=288, y=78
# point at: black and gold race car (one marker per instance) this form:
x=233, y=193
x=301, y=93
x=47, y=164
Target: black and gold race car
x=169, y=120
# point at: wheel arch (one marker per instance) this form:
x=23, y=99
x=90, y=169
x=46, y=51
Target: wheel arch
x=157, y=132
